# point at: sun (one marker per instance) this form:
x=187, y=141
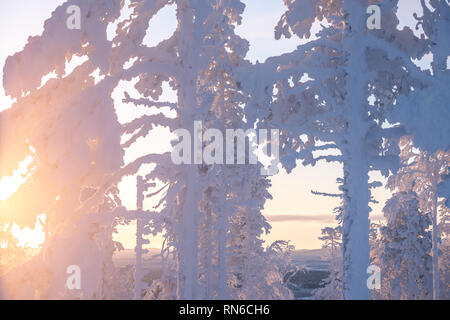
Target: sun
x=29, y=238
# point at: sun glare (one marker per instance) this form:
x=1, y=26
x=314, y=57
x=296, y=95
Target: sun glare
x=30, y=238
x=10, y=184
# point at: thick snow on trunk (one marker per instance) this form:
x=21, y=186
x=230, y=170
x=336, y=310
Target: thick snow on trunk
x=222, y=261
x=139, y=240
x=188, y=286
x=435, y=241
x=356, y=248
x=356, y=225
x=188, y=261
x=138, y=265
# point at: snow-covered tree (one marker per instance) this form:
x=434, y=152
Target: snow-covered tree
x=11, y=254
x=444, y=256
x=336, y=98
x=200, y=206
x=332, y=285
x=406, y=263
x=69, y=128
x=331, y=98
x=425, y=115
x=425, y=112
x=421, y=173
x=444, y=272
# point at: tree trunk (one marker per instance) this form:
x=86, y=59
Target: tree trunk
x=222, y=256
x=356, y=248
x=139, y=240
x=188, y=286
x=435, y=241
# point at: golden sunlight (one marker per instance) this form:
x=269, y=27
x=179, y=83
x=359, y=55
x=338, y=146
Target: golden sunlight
x=9, y=185
x=26, y=237
x=30, y=238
